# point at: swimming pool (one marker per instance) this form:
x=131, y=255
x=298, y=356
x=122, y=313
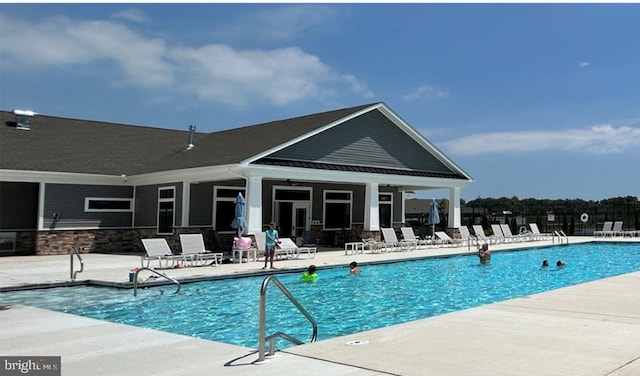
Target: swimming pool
x=386, y=294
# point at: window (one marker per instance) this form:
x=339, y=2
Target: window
x=337, y=210
x=166, y=209
x=225, y=207
x=106, y=204
x=385, y=209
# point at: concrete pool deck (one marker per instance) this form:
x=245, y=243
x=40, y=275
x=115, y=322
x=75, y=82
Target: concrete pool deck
x=587, y=329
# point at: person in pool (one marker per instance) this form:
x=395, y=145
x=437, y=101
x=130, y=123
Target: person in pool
x=310, y=275
x=484, y=254
x=560, y=264
x=353, y=268
x=545, y=263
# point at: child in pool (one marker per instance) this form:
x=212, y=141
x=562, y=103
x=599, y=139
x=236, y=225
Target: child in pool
x=310, y=275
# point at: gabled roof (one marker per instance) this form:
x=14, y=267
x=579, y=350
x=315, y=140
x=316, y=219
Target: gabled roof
x=92, y=147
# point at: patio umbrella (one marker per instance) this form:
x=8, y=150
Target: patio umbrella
x=434, y=216
x=239, y=222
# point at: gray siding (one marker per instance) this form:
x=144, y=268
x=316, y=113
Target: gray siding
x=18, y=206
x=68, y=200
x=147, y=205
x=368, y=140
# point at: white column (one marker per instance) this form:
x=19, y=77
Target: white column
x=186, y=202
x=454, y=207
x=371, y=208
x=253, y=205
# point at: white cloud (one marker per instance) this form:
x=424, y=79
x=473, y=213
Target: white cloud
x=213, y=72
x=427, y=92
x=60, y=41
x=279, y=23
x=133, y=15
x=599, y=139
x=584, y=64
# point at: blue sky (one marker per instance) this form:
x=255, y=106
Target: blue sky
x=532, y=100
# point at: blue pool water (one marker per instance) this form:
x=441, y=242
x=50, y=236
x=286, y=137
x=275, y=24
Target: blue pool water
x=383, y=295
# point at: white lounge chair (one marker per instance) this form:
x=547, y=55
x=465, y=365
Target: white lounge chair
x=537, y=234
x=607, y=228
x=616, y=230
x=479, y=231
x=497, y=233
x=506, y=232
x=391, y=241
x=466, y=236
x=445, y=239
x=293, y=251
x=158, y=249
x=261, y=241
x=409, y=236
x=193, y=249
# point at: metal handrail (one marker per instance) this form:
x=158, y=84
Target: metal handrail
x=72, y=273
x=263, y=313
x=135, y=279
x=561, y=236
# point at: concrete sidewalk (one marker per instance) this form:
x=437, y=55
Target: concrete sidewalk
x=588, y=329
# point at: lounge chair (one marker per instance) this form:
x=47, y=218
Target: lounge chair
x=479, y=231
x=466, y=236
x=193, y=249
x=293, y=251
x=158, y=249
x=445, y=239
x=261, y=241
x=616, y=230
x=497, y=233
x=506, y=232
x=409, y=236
x=537, y=235
x=391, y=241
x=607, y=228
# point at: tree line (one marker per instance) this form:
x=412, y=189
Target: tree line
x=566, y=214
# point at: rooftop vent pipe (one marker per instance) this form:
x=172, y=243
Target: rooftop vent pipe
x=192, y=130
x=23, y=119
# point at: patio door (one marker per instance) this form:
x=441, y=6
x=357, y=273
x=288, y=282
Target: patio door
x=293, y=218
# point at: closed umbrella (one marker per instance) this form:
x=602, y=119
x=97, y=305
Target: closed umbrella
x=434, y=216
x=239, y=222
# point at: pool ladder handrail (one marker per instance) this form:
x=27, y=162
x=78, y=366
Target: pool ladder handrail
x=262, y=339
x=562, y=237
x=135, y=279
x=73, y=273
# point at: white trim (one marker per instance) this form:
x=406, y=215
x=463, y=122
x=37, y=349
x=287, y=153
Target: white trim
x=172, y=200
x=390, y=203
x=216, y=188
x=307, y=135
x=89, y=210
x=324, y=208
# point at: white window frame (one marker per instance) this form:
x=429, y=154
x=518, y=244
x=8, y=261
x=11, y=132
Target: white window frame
x=390, y=203
x=325, y=201
x=225, y=199
x=87, y=201
x=160, y=200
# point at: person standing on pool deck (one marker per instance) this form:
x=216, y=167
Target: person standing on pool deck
x=484, y=254
x=270, y=244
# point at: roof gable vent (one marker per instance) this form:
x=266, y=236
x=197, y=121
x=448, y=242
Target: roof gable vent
x=23, y=119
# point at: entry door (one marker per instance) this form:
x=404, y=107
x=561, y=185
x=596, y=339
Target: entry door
x=300, y=219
